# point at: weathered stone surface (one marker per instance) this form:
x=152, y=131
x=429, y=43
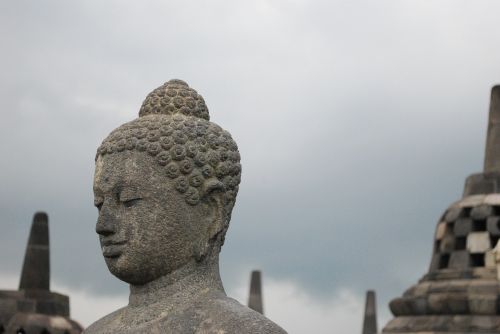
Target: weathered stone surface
x=459, y=260
x=489, y=259
x=483, y=303
x=447, y=244
x=492, y=155
x=441, y=230
x=401, y=306
x=34, y=308
x=370, y=317
x=492, y=199
x=462, y=290
x=441, y=324
x=165, y=185
x=478, y=242
x=435, y=262
x=453, y=214
x=462, y=227
x=255, y=301
x=481, y=212
x=471, y=201
x=36, y=267
x=421, y=289
x=493, y=226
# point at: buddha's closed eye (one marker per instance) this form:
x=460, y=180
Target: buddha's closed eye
x=131, y=202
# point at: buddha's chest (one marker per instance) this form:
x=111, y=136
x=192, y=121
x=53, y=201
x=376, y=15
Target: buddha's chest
x=192, y=321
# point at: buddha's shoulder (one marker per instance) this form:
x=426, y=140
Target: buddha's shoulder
x=208, y=316
x=106, y=324
x=232, y=317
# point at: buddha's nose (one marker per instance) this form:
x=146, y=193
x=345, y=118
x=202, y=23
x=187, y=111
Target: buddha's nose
x=106, y=222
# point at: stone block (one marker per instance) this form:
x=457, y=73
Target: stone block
x=421, y=289
x=462, y=227
x=441, y=230
x=458, y=324
x=459, y=260
x=8, y=307
x=51, y=307
x=492, y=225
x=447, y=245
x=439, y=286
x=400, y=306
x=482, y=304
x=485, y=324
x=492, y=199
x=453, y=214
x=483, y=286
x=398, y=324
x=437, y=303
x=483, y=272
x=26, y=305
x=448, y=303
x=460, y=243
x=478, y=242
x=481, y=212
x=419, y=305
x=458, y=285
x=489, y=259
x=457, y=303
x=435, y=262
x=472, y=201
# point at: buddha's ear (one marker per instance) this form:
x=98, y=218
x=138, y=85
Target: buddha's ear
x=213, y=199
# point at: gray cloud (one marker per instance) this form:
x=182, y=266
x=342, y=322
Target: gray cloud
x=357, y=124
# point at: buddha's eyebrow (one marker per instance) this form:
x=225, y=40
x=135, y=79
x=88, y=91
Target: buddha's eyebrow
x=101, y=188
x=129, y=188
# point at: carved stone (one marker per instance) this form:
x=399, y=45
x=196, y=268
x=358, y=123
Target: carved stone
x=370, y=316
x=255, y=301
x=34, y=308
x=461, y=293
x=165, y=185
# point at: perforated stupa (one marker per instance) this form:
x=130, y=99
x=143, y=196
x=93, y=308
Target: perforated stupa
x=460, y=293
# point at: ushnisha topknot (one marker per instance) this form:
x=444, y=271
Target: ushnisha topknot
x=173, y=127
x=175, y=97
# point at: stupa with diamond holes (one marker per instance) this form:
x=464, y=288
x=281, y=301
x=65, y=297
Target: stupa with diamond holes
x=460, y=293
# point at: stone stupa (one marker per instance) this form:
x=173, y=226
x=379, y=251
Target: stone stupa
x=460, y=293
x=34, y=309
x=255, y=300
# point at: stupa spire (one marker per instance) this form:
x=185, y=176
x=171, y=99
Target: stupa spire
x=255, y=297
x=492, y=154
x=370, y=316
x=36, y=267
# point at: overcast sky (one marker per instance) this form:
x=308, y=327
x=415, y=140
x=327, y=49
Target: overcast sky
x=357, y=123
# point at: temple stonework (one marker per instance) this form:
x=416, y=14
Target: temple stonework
x=165, y=185
x=34, y=309
x=370, y=315
x=460, y=293
x=255, y=301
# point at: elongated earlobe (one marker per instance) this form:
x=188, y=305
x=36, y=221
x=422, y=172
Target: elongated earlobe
x=212, y=198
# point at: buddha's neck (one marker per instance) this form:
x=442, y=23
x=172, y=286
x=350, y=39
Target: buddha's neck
x=194, y=279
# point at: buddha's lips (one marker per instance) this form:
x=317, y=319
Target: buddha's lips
x=112, y=249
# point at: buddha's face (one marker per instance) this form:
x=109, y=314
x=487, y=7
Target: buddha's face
x=145, y=226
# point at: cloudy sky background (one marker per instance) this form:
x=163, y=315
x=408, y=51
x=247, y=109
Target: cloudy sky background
x=357, y=122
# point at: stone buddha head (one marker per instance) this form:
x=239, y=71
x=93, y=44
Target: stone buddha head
x=165, y=185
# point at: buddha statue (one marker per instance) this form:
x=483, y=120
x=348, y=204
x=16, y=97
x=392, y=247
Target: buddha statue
x=165, y=185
